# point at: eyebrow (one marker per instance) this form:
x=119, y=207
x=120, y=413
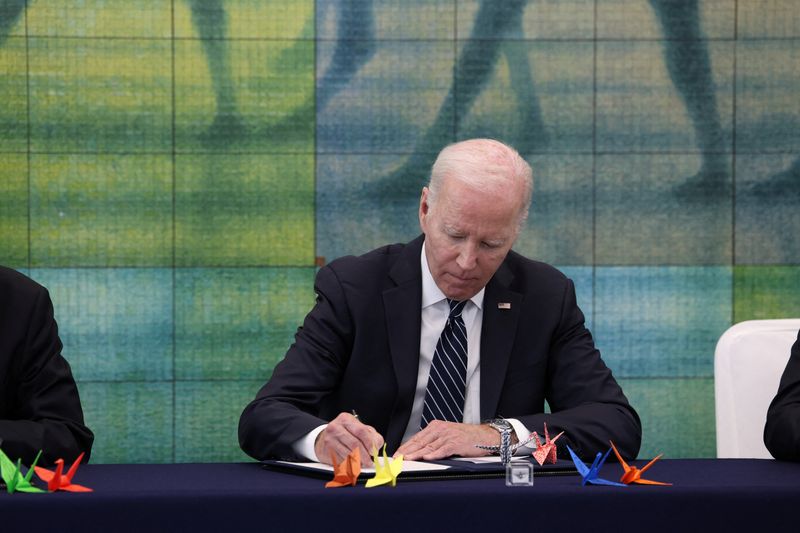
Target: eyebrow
x=453, y=232
x=450, y=229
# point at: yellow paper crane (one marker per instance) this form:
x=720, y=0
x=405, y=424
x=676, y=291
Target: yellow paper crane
x=386, y=471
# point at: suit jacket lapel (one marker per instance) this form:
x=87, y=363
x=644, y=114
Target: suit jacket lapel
x=402, y=306
x=501, y=313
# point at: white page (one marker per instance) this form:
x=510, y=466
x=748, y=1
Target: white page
x=408, y=466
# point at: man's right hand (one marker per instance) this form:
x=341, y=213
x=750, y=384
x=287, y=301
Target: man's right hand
x=342, y=435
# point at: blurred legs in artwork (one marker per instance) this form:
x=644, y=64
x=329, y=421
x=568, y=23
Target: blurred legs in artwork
x=210, y=21
x=10, y=11
x=689, y=66
x=475, y=65
x=355, y=46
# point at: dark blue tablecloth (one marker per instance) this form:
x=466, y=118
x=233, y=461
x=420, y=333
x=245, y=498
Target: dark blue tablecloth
x=708, y=495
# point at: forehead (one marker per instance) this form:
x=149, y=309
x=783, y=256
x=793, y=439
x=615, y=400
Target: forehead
x=464, y=209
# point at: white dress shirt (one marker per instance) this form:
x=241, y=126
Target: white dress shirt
x=435, y=311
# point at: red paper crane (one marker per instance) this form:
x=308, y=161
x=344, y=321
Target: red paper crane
x=59, y=481
x=633, y=474
x=545, y=453
x=346, y=472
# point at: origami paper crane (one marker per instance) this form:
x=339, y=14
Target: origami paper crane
x=346, y=472
x=12, y=475
x=57, y=480
x=590, y=474
x=386, y=471
x=545, y=453
x=633, y=474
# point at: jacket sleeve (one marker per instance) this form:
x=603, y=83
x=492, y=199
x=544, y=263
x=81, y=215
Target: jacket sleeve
x=44, y=409
x=585, y=400
x=287, y=406
x=782, y=430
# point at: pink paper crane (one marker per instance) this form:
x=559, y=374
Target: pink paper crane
x=545, y=453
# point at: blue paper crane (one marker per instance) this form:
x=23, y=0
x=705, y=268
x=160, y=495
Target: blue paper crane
x=590, y=474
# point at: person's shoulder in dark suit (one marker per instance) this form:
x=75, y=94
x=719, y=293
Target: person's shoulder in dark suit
x=40, y=407
x=377, y=260
x=782, y=430
x=527, y=271
x=365, y=276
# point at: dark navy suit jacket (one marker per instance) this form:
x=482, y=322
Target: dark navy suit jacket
x=39, y=404
x=782, y=431
x=358, y=349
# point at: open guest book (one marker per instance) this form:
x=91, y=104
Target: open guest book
x=455, y=468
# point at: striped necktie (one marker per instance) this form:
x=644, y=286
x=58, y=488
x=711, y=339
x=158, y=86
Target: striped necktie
x=444, y=397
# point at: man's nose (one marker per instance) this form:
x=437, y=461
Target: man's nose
x=467, y=257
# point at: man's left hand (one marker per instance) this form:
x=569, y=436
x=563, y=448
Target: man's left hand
x=444, y=439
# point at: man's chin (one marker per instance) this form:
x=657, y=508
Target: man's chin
x=461, y=293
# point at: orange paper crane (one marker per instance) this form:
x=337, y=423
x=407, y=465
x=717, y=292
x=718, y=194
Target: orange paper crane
x=58, y=480
x=545, y=453
x=346, y=472
x=633, y=474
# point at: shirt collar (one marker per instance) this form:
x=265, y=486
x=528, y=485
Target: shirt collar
x=431, y=293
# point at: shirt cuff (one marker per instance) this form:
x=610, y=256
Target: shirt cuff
x=522, y=434
x=304, y=447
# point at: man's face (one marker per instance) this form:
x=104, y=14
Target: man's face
x=467, y=235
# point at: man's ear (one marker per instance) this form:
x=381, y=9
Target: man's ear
x=424, y=207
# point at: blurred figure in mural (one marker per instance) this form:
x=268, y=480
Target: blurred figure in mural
x=685, y=54
x=689, y=66
x=10, y=11
x=355, y=45
x=210, y=20
x=474, y=68
x=687, y=61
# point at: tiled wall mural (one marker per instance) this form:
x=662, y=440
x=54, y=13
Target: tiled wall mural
x=174, y=170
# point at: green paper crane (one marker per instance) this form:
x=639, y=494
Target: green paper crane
x=12, y=475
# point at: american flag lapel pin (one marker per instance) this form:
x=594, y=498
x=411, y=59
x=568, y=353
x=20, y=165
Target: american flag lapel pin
x=504, y=305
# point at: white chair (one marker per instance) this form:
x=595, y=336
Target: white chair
x=748, y=363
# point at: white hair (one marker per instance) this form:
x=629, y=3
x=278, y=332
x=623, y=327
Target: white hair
x=486, y=165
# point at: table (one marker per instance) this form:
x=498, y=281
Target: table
x=708, y=495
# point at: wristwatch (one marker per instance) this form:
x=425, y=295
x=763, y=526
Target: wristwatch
x=504, y=428
x=500, y=424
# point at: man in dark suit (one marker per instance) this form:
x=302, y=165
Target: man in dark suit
x=39, y=404
x=782, y=431
x=373, y=339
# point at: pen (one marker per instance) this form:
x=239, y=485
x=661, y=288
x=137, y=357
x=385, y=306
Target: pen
x=355, y=415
